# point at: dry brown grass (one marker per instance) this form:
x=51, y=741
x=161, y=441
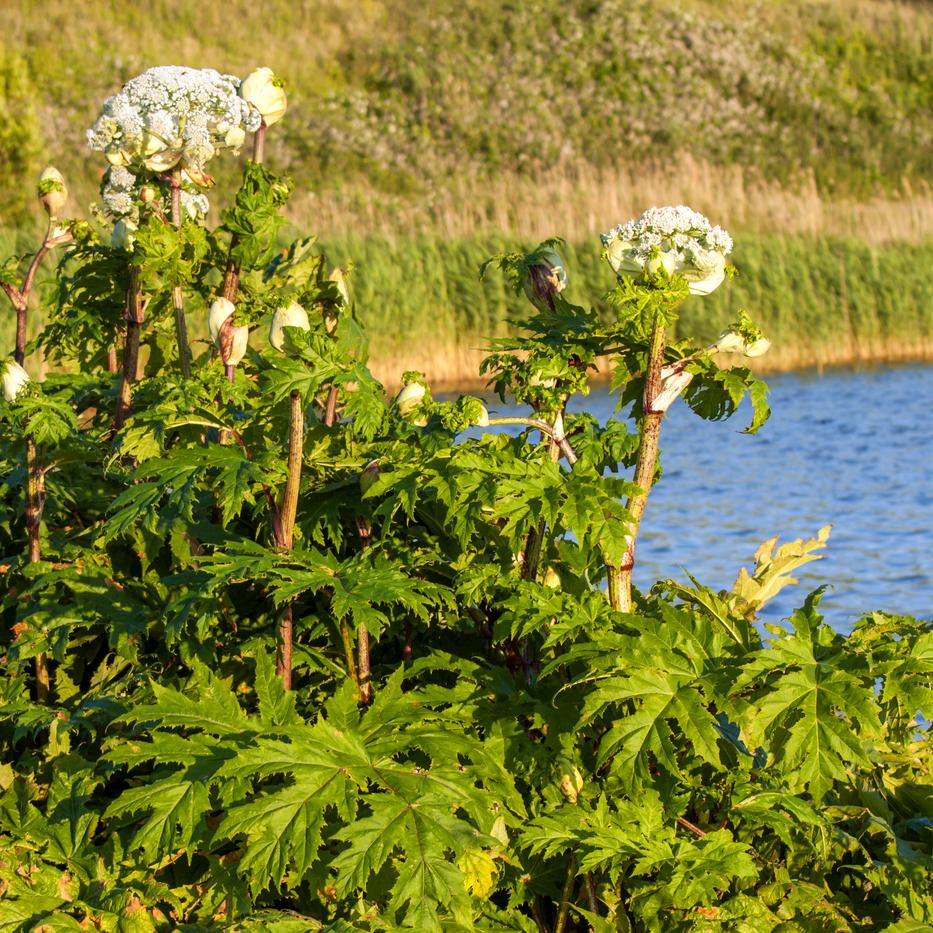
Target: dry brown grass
x=577, y=201
x=457, y=367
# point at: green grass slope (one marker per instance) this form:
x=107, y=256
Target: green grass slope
x=408, y=99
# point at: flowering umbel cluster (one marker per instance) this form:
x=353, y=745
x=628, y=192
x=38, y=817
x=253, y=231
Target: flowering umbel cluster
x=165, y=119
x=675, y=239
x=171, y=115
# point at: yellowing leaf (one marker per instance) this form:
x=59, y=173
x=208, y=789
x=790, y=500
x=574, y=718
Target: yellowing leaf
x=773, y=569
x=479, y=871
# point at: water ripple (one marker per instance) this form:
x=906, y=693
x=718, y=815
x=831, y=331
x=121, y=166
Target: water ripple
x=851, y=448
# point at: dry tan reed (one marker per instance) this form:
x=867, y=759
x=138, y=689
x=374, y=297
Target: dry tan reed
x=576, y=201
x=457, y=367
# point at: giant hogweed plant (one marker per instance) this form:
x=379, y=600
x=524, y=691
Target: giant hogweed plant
x=281, y=653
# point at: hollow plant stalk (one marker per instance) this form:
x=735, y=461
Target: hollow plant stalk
x=359, y=667
x=178, y=298
x=535, y=540
x=35, y=495
x=364, y=527
x=563, y=910
x=286, y=531
x=232, y=272
x=620, y=578
x=19, y=297
x=135, y=310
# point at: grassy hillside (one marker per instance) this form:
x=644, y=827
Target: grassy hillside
x=399, y=109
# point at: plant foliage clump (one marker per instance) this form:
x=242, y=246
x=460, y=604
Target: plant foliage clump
x=281, y=653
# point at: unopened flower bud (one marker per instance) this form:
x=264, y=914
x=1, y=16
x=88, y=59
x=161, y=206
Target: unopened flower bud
x=731, y=341
x=235, y=137
x=369, y=476
x=663, y=261
x=705, y=280
x=544, y=278
x=163, y=159
x=570, y=780
x=292, y=316
x=147, y=194
x=231, y=340
x=758, y=347
x=123, y=235
x=263, y=91
x=338, y=276
x=620, y=258
x=482, y=419
x=409, y=399
x=674, y=379
x=14, y=378
x=234, y=350
x=220, y=310
x=118, y=157
x=197, y=175
x=52, y=191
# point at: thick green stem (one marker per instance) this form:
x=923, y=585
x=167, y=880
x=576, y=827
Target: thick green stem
x=283, y=647
x=232, y=272
x=620, y=589
x=535, y=540
x=20, y=296
x=330, y=407
x=178, y=298
x=564, y=910
x=287, y=515
x=34, y=503
x=362, y=634
x=550, y=430
x=259, y=143
x=362, y=652
x=296, y=436
x=134, y=321
x=348, y=654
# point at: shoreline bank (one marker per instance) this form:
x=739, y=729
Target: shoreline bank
x=457, y=370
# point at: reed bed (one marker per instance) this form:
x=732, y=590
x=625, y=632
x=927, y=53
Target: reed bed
x=822, y=300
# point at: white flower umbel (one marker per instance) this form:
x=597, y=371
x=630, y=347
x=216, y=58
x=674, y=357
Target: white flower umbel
x=173, y=115
x=676, y=239
x=14, y=379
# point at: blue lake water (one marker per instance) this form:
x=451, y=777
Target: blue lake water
x=853, y=448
